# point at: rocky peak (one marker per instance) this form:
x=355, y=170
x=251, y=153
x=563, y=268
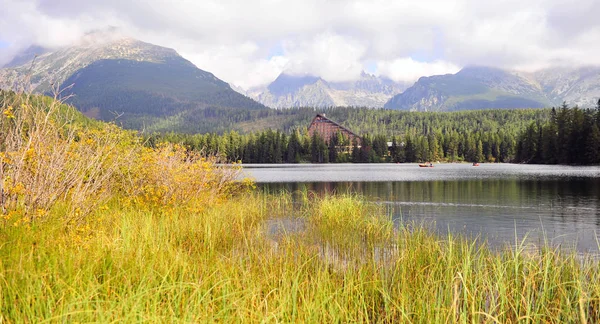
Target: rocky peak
x=307, y=90
x=54, y=67
x=287, y=83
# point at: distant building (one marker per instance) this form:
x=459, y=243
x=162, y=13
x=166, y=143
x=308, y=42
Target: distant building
x=326, y=128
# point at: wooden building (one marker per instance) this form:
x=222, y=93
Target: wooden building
x=326, y=128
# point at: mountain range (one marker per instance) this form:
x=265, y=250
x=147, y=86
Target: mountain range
x=312, y=91
x=145, y=86
x=473, y=87
x=478, y=87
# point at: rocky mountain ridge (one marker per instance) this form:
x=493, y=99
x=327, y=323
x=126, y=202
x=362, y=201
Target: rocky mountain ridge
x=54, y=67
x=477, y=87
x=311, y=91
x=178, y=85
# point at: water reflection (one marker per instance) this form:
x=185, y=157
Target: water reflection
x=561, y=210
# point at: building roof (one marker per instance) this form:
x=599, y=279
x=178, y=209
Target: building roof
x=336, y=124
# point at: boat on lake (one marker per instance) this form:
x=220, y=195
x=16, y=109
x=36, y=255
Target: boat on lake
x=426, y=165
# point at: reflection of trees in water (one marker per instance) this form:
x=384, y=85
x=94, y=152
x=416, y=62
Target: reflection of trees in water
x=551, y=194
x=568, y=210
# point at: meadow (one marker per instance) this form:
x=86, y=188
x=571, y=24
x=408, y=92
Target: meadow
x=96, y=227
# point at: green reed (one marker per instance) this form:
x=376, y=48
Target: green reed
x=346, y=263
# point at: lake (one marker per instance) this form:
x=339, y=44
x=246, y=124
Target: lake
x=495, y=202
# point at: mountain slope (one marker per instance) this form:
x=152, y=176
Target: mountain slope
x=56, y=66
x=310, y=91
x=577, y=86
x=143, y=84
x=26, y=56
x=484, y=87
x=470, y=88
x=297, y=94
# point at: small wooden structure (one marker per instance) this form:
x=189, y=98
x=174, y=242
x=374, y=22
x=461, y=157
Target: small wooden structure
x=327, y=128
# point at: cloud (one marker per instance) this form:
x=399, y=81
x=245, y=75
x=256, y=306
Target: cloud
x=407, y=69
x=333, y=57
x=243, y=64
x=335, y=39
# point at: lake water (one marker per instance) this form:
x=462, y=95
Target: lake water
x=496, y=202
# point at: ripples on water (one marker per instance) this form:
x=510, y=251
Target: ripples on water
x=499, y=202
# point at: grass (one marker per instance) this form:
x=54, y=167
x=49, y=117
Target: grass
x=348, y=264
x=172, y=237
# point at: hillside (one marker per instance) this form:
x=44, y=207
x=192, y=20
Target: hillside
x=471, y=88
x=140, y=83
x=393, y=122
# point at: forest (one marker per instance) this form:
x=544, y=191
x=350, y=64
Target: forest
x=570, y=136
x=549, y=136
x=387, y=136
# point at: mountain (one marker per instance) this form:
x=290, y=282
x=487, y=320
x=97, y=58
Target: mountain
x=146, y=86
x=577, y=86
x=311, y=91
x=479, y=87
x=26, y=56
x=470, y=88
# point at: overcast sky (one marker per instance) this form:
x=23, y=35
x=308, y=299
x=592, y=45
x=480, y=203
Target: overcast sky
x=249, y=42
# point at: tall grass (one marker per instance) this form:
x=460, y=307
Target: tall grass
x=221, y=264
x=177, y=240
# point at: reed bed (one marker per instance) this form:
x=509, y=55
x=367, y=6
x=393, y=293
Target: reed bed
x=348, y=264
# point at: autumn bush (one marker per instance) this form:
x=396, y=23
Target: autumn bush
x=52, y=156
x=170, y=175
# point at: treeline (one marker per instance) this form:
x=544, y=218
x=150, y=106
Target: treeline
x=220, y=120
x=278, y=147
x=570, y=136
x=387, y=136
x=394, y=123
x=550, y=136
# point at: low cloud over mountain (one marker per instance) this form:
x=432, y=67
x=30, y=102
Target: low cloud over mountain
x=250, y=43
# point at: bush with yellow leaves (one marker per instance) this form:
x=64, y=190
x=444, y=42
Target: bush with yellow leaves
x=170, y=175
x=50, y=154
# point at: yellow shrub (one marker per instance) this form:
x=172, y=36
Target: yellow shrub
x=170, y=175
x=49, y=157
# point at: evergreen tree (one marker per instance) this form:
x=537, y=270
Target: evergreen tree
x=397, y=151
x=549, y=143
x=593, y=145
x=470, y=153
x=319, y=152
x=598, y=113
x=434, y=148
x=563, y=133
x=479, y=152
x=355, y=152
x=366, y=149
x=333, y=154
x=410, y=149
x=423, y=154
x=314, y=148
